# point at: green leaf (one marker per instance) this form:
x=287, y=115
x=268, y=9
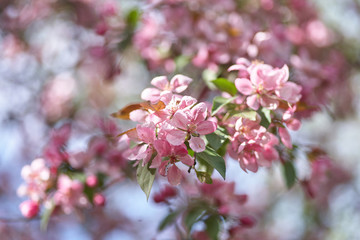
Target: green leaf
x=193, y=216
x=213, y=226
x=133, y=17
x=289, y=174
x=203, y=166
x=225, y=85
x=168, y=220
x=211, y=157
x=265, y=115
x=215, y=140
x=249, y=114
x=223, y=149
x=145, y=177
x=220, y=102
x=204, y=177
x=78, y=176
x=46, y=216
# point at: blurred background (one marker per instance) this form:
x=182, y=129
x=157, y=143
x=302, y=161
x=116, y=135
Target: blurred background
x=77, y=61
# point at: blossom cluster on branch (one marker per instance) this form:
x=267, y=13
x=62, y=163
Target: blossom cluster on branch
x=244, y=75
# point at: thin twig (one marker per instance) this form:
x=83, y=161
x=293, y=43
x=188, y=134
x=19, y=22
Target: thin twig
x=20, y=219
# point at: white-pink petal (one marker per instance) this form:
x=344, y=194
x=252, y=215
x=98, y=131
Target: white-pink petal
x=197, y=144
x=289, y=92
x=160, y=82
x=252, y=101
x=198, y=113
x=285, y=137
x=146, y=132
x=244, y=86
x=151, y=94
x=162, y=147
x=174, y=175
x=176, y=137
x=179, y=83
x=206, y=127
x=156, y=162
x=180, y=120
x=138, y=115
x=187, y=159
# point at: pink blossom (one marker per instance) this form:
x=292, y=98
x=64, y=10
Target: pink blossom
x=37, y=180
x=145, y=150
x=69, y=194
x=164, y=88
x=165, y=194
x=285, y=137
x=252, y=145
x=291, y=122
x=264, y=85
x=189, y=125
x=222, y=195
x=175, y=154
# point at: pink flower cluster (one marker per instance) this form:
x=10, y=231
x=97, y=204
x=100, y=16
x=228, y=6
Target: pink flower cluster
x=213, y=34
x=66, y=181
x=166, y=131
x=264, y=88
x=325, y=176
x=217, y=200
x=265, y=85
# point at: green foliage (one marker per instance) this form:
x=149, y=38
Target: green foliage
x=204, y=177
x=168, y=220
x=213, y=226
x=133, y=17
x=193, y=216
x=265, y=115
x=289, y=174
x=225, y=85
x=46, y=216
x=219, y=103
x=249, y=114
x=145, y=178
x=211, y=157
x=217, y=139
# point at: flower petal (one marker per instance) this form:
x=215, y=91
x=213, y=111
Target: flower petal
x=174, y=175
x=285, y=137
x=206, y=127
x=162, y=147
x=252, y=102
x=197, y=144
x=151, y=94
x=198, y=113
x=156, y=162
x=179, y=83
x=180, y=120
x=176, y=137
x=187, y=159
x=244, y=86
x=160, y=82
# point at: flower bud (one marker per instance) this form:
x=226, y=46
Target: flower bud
x=99, y=200
x=91, y=181
x=247, y=221
x=29, y=208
